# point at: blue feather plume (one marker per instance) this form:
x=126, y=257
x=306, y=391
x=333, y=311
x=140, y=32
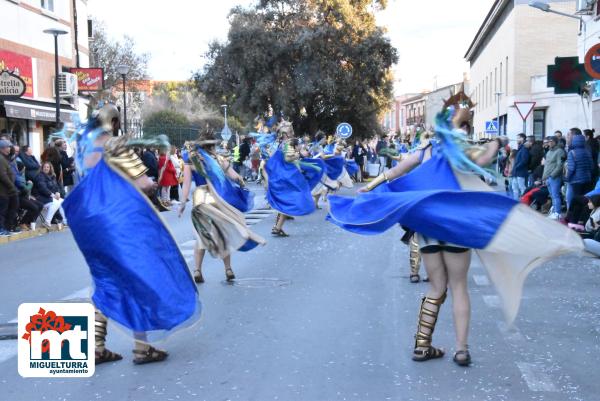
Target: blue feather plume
x=84, y=136
x=213, y=169
x=453, y=143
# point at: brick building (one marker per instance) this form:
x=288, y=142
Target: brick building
x=27, y=50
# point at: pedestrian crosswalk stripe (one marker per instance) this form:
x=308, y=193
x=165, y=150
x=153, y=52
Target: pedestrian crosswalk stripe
x=536, y=378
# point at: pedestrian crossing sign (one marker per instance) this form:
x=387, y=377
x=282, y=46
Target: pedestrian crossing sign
x=491, y=127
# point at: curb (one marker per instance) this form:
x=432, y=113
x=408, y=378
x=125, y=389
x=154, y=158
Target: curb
x=29, y=234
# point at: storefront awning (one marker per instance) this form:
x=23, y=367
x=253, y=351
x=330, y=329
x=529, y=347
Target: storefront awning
x=39, y=111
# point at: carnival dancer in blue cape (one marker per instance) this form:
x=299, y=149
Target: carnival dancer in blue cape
x=140, y=277
x=336, y=166
x=289, y=180
x=219, y=201
x=438, y=193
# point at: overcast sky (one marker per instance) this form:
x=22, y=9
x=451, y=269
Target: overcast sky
x=431, y=36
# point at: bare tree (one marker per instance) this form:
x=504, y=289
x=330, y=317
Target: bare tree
x=108, y=54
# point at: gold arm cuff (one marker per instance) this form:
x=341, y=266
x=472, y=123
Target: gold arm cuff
x=129, y=162
x=378, y=180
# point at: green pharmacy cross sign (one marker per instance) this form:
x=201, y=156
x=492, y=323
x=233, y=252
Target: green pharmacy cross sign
x=567, y=75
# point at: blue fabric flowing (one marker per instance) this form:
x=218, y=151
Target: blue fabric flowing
x=231, y=192
x=351, y=167
x=335, y=166
x=141, y=279
x=313, y=170
x=288, y=190
x=428, y=200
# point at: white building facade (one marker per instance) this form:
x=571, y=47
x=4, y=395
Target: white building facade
x=509, y=57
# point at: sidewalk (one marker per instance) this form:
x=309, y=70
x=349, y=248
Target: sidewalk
x=29, y=234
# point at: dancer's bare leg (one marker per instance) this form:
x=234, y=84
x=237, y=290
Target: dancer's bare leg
x=436, y=270
x=457, y=266
x=280, y=221
x=198, y=258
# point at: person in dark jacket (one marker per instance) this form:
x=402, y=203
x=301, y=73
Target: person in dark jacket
x=520, y=169
x=151, y=162
x=359, y=153
x=9, y=200
x=47, y=190
x=579, y=166
x=594, y=147
x=536, y=154
x=32, y=166
x=29, y=208
x=67, y=164
x=52, y=155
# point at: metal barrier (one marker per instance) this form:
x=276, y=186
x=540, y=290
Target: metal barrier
x=177, y=135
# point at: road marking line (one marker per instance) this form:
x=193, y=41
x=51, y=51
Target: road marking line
x=187, y=252
x=8, y=350
x=481, y=280
x=493, y=301
x=82, y=293
x=536, y=378
x=187, y=244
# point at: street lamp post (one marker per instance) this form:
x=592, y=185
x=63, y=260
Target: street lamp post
x=55, y=33
x=123, y=70
x=545, y=7
x=225, y=132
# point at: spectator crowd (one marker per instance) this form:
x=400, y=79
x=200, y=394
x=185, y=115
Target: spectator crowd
x=555, y=175
x=30, y=190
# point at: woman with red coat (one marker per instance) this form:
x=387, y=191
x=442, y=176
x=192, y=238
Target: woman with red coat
x=167, y=176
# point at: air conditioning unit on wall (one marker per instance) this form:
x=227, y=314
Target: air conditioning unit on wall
x=585, y=6
x=67, y=85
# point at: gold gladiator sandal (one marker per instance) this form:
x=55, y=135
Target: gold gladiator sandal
x=415, y=260
x=102, y=354
x=423, y=351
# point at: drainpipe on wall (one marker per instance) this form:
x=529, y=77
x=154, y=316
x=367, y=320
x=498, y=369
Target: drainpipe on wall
x=76, y=33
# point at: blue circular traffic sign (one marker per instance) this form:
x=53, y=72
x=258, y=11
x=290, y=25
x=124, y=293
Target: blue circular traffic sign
x=344, y=130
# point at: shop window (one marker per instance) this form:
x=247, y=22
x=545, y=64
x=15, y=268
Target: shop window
x=48, y=5
x=539, y=124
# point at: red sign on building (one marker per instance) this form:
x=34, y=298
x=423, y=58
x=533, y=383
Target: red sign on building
x=19, y=65
x=89, y=79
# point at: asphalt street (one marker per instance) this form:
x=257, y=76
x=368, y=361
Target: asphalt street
x=322, y=315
